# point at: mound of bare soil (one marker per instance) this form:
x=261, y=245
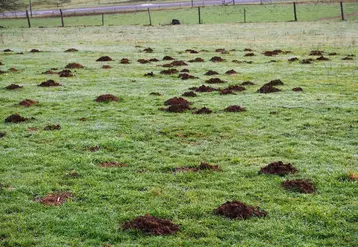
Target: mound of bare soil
x=55, y=199
x=226, y=91
x=35, y=50
x=231, y=72
x=49, y=72
x=13, y=70
x=65, y=73
x=13, y=87
x=247, y=83
x=71, y=50
x=74, y=66
x=177, y=108
x=106, y=67
x=124, y=61
x=202, y=167
x=151, y=225
x=250, y=54
x=234, y=108
x=247, y=50
x=276, y=82
x=28, y=102
x=347, y=58
x=7, y=50
x=15, y=118
x=148, y=50
x=239, y=210
x=175, y=64
x=297, y=89
x=189, y=94
x=143, y=61
x=278, y=168
x=205, y=89
x=196, y=60
x=52, y=127
x=316, y=53
x=49, y=83
x=268, y=89
x=185, y=76
x=2, y=134
x=307, y=61
x=293, y=59
x=191, y=51
x=272, y=53
x=168, y=58
x=153, y=60
x=332, y=54
x=150, y=74
x=216, y=59
x=155, y=94
x=322, y=58
x=215, y=80
x=299, y=185
x=220, y=50
x=169, y=71
x=184, y=71
x=177, y=101
x=106, y=98
x=211, y=72
x=236, y=88
x=112, y=164
x=203, y=110
x=104, y=59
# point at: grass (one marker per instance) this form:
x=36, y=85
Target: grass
x=314, y=130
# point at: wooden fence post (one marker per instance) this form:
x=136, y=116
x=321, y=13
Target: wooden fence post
x=294, y=10
x=199, y=15
x=244, y=15
x=102, y=19
x=28, y=18
x=63, y=24
x=342, y=12
x=150, y=18
x=192, y=3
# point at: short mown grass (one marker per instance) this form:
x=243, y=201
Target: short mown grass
x=315, y=130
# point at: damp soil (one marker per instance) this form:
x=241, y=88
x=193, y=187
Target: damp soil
x=150, y=74
x=55, y=199
x=168, y=58
x=268, y=89
x=322, y=58
x=293, y=59
x=215, y=81
x=13, y=87
x=104, y=59
x=124, y=61
x=234, y=108
x=189, y=94
x=15, y=118
x=203, y=110
x=347, y=58
x=236, y=88
x=65, y=73
x=169, y=71
x=239, y=210
x=106, y=67
x=211, y=72
x=191, y=51
x=297, y=89
x=250, y=54
x=34, y=50
x=205, y=89
x=28, y=102
x=299, y=185
x=106, y=98
x=217, y=59
x=175, y=64
x=196, y=60
x=49, y=83
x=51, y=127
x=177, y=101
x=71, y=50
x=276, y=82
x=247, y=83
x=143, y=61
x=177, y=108
x=186, y=76
x=316, y=53
x=226, y=91
x=184, y=71
x=230, y=72
x=202, y=167
x=112, y=164
x=148, y=50
x=278, y=168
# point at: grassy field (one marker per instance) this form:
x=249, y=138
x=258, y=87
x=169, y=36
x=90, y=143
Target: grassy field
x=316, y=130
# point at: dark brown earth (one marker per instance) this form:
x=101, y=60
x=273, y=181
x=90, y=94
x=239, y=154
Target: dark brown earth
x=202, y=167
x=28, y=102
x=205, y=89
x=153, y=60
x=71, y=50
x=155, y=94
x=112, y=164
x=168, y=58
x=299, y=185
x=150, y=74
x=293, y=59
x=13, y=70
x=52, y=127
x=175, y=64
x=151, y=225
x=231, y=72
x=143, y=61
x=177, y=108
x=35, y=50
x=332, y=54
x=226, y=91
x=7, y=50
x=185, y=76
x=297, y=89
x=211, y=72
x=278, y=168
x=247, y=49
x=169, y=71
x=276, y=82
x=239, y=210
x=191, y=51
x=234, y=108
x=65, y=73
x=124, y=61
x=106, y=67
x=49, y=72
x=184, y=71
x=203, y=110
x=55, y=199
x=316, y=53
x=247, y=83
x=196, y=60
x=177, y=101
x=106, y=98
x=49, y=83
x=215, y=80
x=220, y=50
x=250, y=54
x=104, y=59
x=148, y=50
x=189, y=94
x=13, y=87
x=322, y=58
x=307, y=61
x=15, y=118
x=272, y=53
x=216, y=59
x=74, y=66
x=268, y=89
x=2, y=134
x=236, y=88
x=347, y=58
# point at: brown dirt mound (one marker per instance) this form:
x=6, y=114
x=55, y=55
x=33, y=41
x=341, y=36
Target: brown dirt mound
x=297, y=89
x=55, y=199
x=307, y=61
x=202, y=167
x=35, y=50
x=216, y=59
x=332, y=54
x=278, y=168
x=13, y=87
x=178, y=63
x=272, y=61
x=220, y=50
x=13, y=70
x=106, y=98
x=189, y=94
x=215, y=80
x=151, y=225
x=211, y=72
x=168, y=58
x=322, y=58
x=148, y=50
x=347, y=58
x=203, y=110
x=268, y=89
x=28, y=102
x=231, y=72
x=205, y=89
x=7, y=50
x=15, y=118
x=247, y=49
x=272, y=53
x=185, y=76
x=104, y=59
x=49, y=72
x=49, y=83
x=239, y=210
x=65, y=73
x=177, y=108
x=293, y=59
x=276, y=82
x=71, y=50
x=316, y=53
x=52, y=127
x=226, y=91
x=184, y=71
x=2, y=134
x=234, y=108
x=250, y=54
x=236, y=88
x=247, y=83
x=74, y=66
x=196, y=60
x=169, y=71
x=112, y=164
x=155, y=94
x=150, y=74
x=124, y=61
x=177, y=101
x=299, y=185
x=106, y=67
x=153, y=60
x=191, y=51
x=143, y=61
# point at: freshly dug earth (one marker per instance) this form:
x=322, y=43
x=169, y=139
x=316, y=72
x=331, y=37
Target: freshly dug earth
x=104, y=59
x=148, y=50
x=231, y=72
x=153, y=60
x=276, y=82
x=211, y=72
x=49, y=83
x=215, y=80
x=13, y=87
x=204, y=89
x=184, y=71
x=52, y=127
x=268, y=89
x=74, y=66
x=196, y=60
x=15, y=118
x=236, y=88
x=151, y=225
x=307, y=61
x=175, y=63
x=143, y=61
x=216, y=59
x=71, y=50
x=191, y=51
x=150, y=74
x=203, y=110
x=247, y=83
x=202, y=167
x=316, y=53
x=35, y=50
x=293, y=59
x=55, y=199
x=65, y=73
x=278, y=168
x=186, y=76
x=168, y=58
x=28, y=102
x=112, y=164
x=322, y=58
x=226, y=91
x=7, y=50
x=176, y=101
x=106, y=67
x=299, y=185
x=250, y=54
x=177, y=108
x=106, y=98
x=13, y=70
x=169, y=71
x=124, y=61
x=189, y=94
x=234, y=108
x=297, y=89
x=239, y=210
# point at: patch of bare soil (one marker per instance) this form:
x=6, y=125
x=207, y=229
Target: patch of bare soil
x=52, y=127
x=112, y=164
x=184, y=71
x=15, y=118
x=247, y=83
x=239, y=210
x=153, y=60
x=49, y=83
x=150, y=74
x=231, y=72
x=278, y=168
x=234, y=108
x=316, y=53
x=191, y=51
x=177, y=108
x=205, y=89
x=175, y=64
x=104, y=59
x=196, y=60
x=220, y=50
x=35, y=50
x=74, y=66
x=215, y=80
x=202, y=167
x=217, y=59
x=148, y=50
x=7, y=50
x=297, y=89
x=13, y=87
x=168, y=58
x=236, y=88
x=49, y=72
x=247, y=50
x=71, y=50
x=226, y=91
x=143, y=61
x=106, y=98
x=169, y=71
x=211, y=72
x=13, y=70
x=353, y=176
x=28, y=102
x=177, y=101
x=322, y=58
x=276, y=82
x=293, y=59
x=332, y=54
x=65, y=73
x=106, y=67
x=189, y=94
x=299, y=185
x=155, y=94
x=185, y=76
x=203, y=110
x=268, y=89
x=250, y=54
x=347, y=58
x=151, y=225
x=307, y=61
x=55, y=199
x=124, y=61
